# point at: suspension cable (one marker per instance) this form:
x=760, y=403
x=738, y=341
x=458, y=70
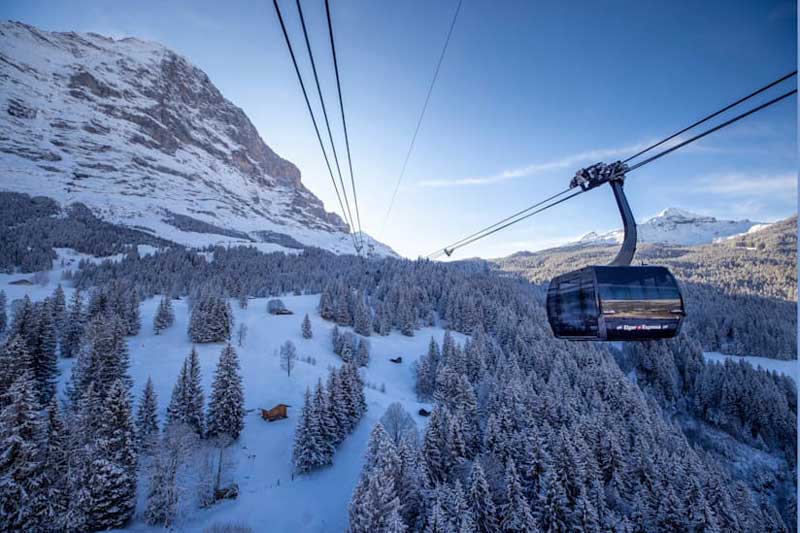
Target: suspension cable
x=325, y=116
x=421, y=116
x=344, y=122
x=712, y=115
x=712, y=130
x=448, y=250
x=488, y=231
x=310, y=111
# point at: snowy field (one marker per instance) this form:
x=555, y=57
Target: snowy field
x=269, y=500
x=788, y=368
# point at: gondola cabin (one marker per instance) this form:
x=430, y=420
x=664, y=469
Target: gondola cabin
x=615, y=303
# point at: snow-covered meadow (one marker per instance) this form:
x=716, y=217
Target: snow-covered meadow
x=269, y=500
x=786, y=367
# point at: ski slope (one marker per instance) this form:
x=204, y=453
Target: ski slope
x=786, y=367
x=269, y=499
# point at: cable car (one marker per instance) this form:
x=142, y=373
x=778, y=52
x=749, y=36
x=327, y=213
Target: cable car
x=617, y=302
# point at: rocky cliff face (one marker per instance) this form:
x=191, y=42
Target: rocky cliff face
x=145, y=139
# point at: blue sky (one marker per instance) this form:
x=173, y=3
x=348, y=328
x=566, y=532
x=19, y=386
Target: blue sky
x=529, y=92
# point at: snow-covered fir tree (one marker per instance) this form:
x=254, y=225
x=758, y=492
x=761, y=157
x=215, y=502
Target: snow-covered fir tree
x=3, y=313
x=112, y=463
x=516, y=514
x=22, y=474
x=311, y=451
x=72, y=330
x=187, y=403
x=375, y=497
x=165, y=315
x=59, y=308
x=226, y=408
x=15, y=360
x=211, y=320
x=305, y=329
x=56, y=466
x=361, y=357
x=326, y=310
x=479, y=498
x=362, y=324
x=147, y=428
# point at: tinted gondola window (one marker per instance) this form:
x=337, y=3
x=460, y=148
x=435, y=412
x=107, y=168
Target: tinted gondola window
x=636, y=283
x=576, y=307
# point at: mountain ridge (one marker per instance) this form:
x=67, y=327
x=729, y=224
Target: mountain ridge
x=674, y=226
x=141, y=136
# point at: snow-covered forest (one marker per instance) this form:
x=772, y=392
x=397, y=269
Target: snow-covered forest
x=131, y=392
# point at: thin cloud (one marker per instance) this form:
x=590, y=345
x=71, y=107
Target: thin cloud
x=742, y=184
x=568, y=162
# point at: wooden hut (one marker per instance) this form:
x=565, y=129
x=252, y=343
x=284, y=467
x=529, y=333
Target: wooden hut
x=276, y=413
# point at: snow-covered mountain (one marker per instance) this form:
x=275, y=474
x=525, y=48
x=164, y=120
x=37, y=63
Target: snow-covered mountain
x=145, y=139
x=675, y=226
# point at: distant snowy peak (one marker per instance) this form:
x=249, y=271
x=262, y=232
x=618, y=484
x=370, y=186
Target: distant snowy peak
x=676, y=226
x=145, y=139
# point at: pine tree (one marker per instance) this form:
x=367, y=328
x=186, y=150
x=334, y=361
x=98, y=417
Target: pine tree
x=363, y=319
x=374, y=502
x=187, y=401
x=165, y=315
x=22, y=476
x=73, y=327
x=147, y=419
x=132, y=318
x=516, y=512
x=553, y=510
x=43, y=351
x=3, y=314
x=112, y=468
x=56, y=464
x=338, y=406
x=326, y=310
x=355, y=402
x=105, y=359
x=427, y=370
x=327, y=430
x=23, y=320
x=343, y=317
x=226, y=408
x=306, y=328
x=15, y=360
x=211, y=321
x=59, y=308
x=438, y=521
x=195, y=399
x=480, y=501
x=310, y=449
x=434, y=454
x=362, y=353
x=336, y=340
x=176, y=410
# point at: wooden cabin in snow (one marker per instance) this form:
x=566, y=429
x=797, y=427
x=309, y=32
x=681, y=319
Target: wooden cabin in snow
x=276, y=413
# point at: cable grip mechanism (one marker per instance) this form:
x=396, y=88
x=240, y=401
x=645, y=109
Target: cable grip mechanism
x=614, y=174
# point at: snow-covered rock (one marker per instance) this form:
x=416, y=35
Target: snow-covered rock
x=145, y=139
x=676, y=226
